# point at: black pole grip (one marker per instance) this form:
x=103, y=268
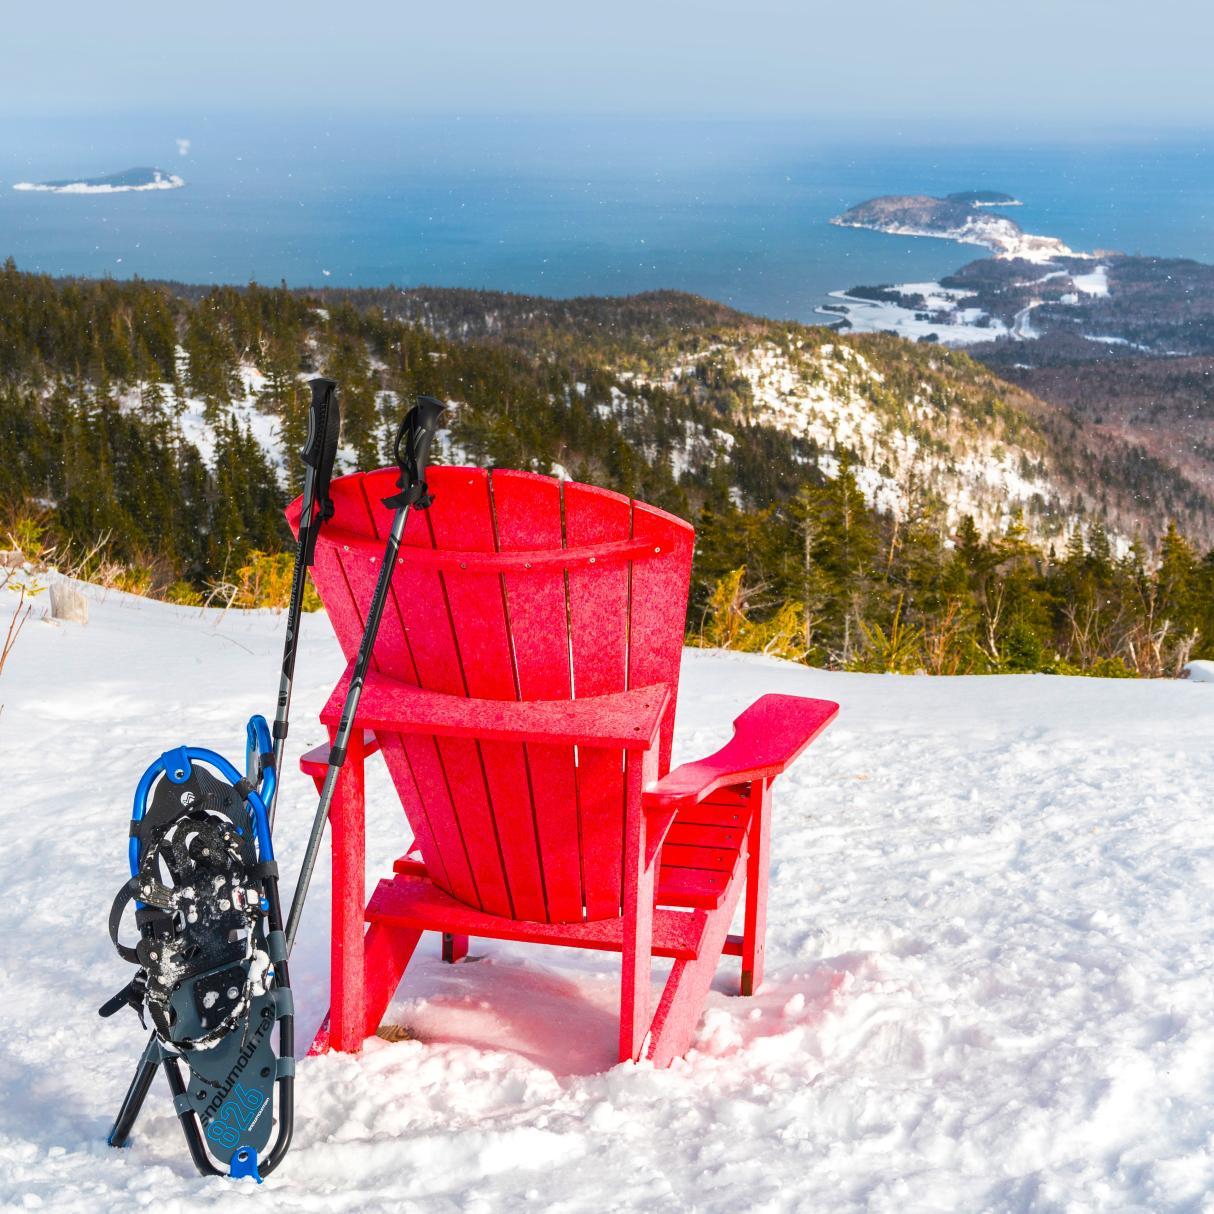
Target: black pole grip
x=412, y=451
x=319, y=455
x=320, y=447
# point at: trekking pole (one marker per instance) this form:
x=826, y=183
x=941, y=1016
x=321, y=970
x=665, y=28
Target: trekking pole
x=318, y=454
x=412, y=450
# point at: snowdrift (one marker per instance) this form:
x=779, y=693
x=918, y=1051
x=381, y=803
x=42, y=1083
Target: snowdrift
x=989, y=983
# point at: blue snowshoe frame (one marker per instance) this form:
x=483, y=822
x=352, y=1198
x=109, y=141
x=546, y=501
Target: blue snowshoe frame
x=175, y=766
x=257, y=787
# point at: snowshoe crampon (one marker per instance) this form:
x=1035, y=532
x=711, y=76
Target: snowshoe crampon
x=212, y=974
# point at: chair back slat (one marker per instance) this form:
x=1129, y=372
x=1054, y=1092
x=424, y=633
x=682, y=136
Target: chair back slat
x=457, y=789
x=658, y=592
x=328, y=574
x=598, y=632
x=413, y=761
x=531, y=831
x=527, y=510
x=478, y=617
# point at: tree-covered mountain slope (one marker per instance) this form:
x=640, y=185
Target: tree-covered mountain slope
x=858, y=498
x=923, y=427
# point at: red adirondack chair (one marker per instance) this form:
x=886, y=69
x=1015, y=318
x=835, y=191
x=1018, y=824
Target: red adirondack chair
x=522, y=696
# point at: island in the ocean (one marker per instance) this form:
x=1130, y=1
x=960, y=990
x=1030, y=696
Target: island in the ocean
x=112, y=183
x=1072, y=305
x=965, y=217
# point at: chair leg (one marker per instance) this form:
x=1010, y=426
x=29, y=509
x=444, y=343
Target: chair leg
x=455, y=948
x=347, y=1008
x=679, y=1009
x=682, y=1002
x=320, y=1043
x=758, y=864
x=635, y=980
x=387, y=954
x=638, y=894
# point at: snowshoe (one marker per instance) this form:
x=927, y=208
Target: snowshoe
x=212, y=973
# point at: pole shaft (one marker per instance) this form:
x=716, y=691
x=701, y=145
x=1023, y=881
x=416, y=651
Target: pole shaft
x=290, y=648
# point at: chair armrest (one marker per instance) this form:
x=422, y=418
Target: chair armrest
x=316, y=762
x=626, y=719
x=767, y=737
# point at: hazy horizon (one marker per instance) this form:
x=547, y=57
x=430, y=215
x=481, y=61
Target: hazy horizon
x=1084, y=70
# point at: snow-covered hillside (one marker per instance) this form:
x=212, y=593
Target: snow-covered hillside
x=989, y=978
x=908, y=444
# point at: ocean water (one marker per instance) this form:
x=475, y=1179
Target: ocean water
x=736, y=211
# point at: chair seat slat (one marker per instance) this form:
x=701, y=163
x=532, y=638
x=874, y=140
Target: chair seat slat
x=411, y=901
x=695, y=887
x=714, y=859
x=692, y=834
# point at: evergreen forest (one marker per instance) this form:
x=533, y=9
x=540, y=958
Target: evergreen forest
x=133, y=418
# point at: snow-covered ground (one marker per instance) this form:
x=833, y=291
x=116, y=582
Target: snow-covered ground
x=1094, y=283
x=197, y=424
x=949, y=319
x=944, y=316
x=989, y=983
x=192, y=416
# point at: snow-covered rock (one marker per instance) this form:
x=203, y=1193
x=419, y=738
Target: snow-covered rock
x=944, y=316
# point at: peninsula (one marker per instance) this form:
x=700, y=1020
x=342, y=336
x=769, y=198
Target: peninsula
x=965, y=217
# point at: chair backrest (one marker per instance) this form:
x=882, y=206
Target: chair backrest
x=577, y=592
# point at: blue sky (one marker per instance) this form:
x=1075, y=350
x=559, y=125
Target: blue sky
x=1043, y=64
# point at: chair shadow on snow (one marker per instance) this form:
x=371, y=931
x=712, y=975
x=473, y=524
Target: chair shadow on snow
x=566, y=1023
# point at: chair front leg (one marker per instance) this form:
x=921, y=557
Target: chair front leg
x=758, y=865
x=638, y=895
x=347, y=975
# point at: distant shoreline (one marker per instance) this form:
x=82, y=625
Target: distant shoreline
x=1021, y=246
